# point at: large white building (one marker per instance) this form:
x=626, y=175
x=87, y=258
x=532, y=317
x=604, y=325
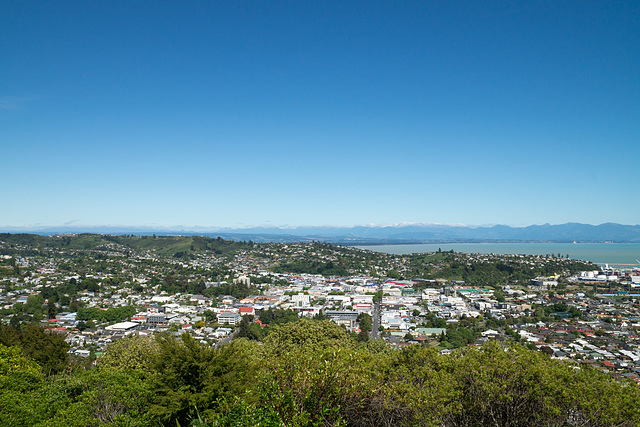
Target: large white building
x=229, y=318
x=301, y=300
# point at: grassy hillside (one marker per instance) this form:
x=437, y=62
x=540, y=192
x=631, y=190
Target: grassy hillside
x=162, y=245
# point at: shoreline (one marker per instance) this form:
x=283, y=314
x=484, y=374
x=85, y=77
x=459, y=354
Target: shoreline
x=622, y=255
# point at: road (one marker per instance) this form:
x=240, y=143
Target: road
x=226, y=340
x=232, y=335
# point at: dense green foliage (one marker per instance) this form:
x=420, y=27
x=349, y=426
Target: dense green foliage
x=236, y=290
x=366, y=324
x=457, y=337
x=190, y=377
x=310, y=373
x=278, y=316
x=328, y=268
x=177, y=246
x=12, y=361
x=270, y=318
x=83, y=398
x=131, y=353
x=46, y=348
x=113, y=314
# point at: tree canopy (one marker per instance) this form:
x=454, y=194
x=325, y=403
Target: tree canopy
x=309, y=373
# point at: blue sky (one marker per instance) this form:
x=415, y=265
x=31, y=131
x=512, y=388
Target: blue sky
x=237, y=114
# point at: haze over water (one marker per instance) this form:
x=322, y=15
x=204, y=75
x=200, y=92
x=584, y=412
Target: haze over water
x=615, y=254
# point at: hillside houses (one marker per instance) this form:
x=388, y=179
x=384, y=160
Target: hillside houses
x=207, y=296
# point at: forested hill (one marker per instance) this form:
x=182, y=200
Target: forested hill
x=161, y=245
x=312, y=258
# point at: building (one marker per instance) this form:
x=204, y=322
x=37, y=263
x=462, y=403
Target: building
x=123, y=327
x=301, y=300
x=247, y=311
x=346, y=318
x=158, y=319
x=229, y=318
x=544, y=283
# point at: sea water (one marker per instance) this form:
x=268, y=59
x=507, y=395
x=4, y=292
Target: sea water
x=621, y=255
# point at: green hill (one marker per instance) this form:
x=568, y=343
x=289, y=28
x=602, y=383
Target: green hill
x=161, y=245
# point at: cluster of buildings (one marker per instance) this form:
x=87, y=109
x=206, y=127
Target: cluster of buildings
x=598, y=325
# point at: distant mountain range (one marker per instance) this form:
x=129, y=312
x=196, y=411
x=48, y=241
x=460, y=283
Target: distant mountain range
x=395, y=234
x=437, y=233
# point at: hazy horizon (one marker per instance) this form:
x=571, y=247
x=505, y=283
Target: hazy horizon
x=280, y=227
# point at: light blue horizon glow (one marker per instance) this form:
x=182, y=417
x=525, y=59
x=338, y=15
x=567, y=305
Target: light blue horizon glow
x=240, y=114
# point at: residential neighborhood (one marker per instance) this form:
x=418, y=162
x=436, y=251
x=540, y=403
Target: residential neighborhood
x=105, y=290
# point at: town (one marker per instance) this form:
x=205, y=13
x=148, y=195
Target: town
x=96, y=289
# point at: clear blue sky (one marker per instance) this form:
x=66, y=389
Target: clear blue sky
x=238, y=113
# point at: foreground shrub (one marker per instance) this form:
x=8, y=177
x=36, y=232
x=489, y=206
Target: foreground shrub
x=334, y=383
x=313, y=374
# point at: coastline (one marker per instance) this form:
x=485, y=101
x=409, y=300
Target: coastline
x=619, y=255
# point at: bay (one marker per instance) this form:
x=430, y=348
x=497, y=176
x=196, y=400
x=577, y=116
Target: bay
x=620, y=255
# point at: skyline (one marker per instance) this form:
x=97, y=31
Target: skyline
x=405, y=232
x=215, y=115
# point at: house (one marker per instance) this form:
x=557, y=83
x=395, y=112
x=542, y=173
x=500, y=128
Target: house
x=66, y=317
x=22, y=300
x=247, y=311
x=155, y=319
x=431, y=331
x=198, y=299
x=226, y=300
x=221, y=332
